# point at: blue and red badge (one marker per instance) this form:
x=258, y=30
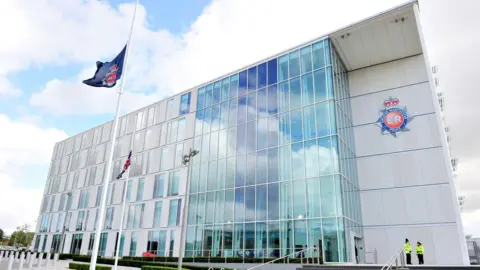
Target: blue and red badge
x=393, y=119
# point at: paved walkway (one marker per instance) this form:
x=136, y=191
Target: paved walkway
x=60, y=265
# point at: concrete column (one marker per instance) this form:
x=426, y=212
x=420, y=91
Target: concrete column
x=22, y=260
x=10, y=262
x=47, y=260
x=40, y=258
x=30, y=260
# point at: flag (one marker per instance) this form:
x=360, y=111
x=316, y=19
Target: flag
x=108, y=73
x=127, y=164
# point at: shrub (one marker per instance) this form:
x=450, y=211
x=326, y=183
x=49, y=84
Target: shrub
x=86, y=266
x=149, y=267
x=65, y=256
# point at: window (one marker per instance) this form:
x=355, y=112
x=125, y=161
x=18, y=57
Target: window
x=138, y=218
x=129, y=189
x=76, y=243
x=109, y=219
x=178, y=155
x=59, y=222
x=174, y=213
x=156, y=242
x=158, y=185
x=150, y=116
x=158, y=214
x=140, y=186
x=185, y=103
x=103, y=244
x=164, y=163
x=170, y=109
x=80, y=221
x=133, y=244
x=99, y=196
x=173, y=183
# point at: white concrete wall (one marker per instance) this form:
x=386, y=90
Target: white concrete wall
x=405, y=189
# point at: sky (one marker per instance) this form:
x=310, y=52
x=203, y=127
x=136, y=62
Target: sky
x=50, y=46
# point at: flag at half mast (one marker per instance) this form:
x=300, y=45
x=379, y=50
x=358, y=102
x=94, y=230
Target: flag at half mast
x=127, y=164
x=108, y=73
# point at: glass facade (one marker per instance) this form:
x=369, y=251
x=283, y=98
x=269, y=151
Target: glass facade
x=276, y=168
x=275, y=173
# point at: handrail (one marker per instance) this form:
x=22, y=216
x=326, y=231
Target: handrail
x=398, y=255
x=288, y=257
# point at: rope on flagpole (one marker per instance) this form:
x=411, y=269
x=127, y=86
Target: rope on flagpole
x=108, y=174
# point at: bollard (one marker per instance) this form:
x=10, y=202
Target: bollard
x=31, y=258
x=1, y=255
x=55, y=259
x=10, y=262
x=47, y=260
x=22, y=260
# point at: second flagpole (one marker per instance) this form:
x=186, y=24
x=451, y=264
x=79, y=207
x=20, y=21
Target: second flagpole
x=108, y=174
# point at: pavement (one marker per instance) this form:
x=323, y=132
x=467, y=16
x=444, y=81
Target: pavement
x=60, y=265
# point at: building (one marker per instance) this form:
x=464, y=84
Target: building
x=306, y=148
x=473, y=249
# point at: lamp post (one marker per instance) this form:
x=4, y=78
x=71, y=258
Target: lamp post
x=186, y=162
x=69, y=194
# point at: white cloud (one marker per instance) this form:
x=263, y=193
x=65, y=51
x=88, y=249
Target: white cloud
x=25, y=152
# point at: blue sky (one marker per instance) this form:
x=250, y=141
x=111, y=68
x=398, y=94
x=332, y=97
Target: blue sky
x=50, y=46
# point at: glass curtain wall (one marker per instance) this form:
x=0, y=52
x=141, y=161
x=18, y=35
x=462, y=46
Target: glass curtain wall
x=269, y=179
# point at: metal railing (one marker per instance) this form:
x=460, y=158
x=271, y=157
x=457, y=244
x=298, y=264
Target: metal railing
x=286, y=258
x=398, y=259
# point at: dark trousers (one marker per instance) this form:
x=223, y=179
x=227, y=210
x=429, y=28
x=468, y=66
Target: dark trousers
x=420, y=258
x=409, y=258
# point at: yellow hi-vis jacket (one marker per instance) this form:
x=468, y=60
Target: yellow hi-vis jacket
x=420, y=250
x=408, y=248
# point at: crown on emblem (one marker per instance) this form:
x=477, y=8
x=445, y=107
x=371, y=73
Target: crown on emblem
x=391, y=102
x=113, y=68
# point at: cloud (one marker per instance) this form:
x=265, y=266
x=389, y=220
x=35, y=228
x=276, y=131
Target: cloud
x=25, y=152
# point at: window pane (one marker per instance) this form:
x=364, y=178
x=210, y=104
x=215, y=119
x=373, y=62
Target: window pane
x=272, y=71
x=173, y=183
x=311, y=159
x=242, y=109
x=239, y=205
x=217, y=92
x=261, y=203
x=294, y=65
x=225, y=88
x=330, y=236
x=208, y=95
x=273, y=239
x=262, y=75
x=238, y=239
x=298, y=161
x=328, y=57
x=204, y=152
x=233, y=86
x=320, y=85
x=299, y=204
x=273, y=131
x=206, y=120
x=219, y=206
x=250, y=172
x=327, y=188
x=172, y=218
x=286, y=200
x=251, y=137
x=222, y=173
x=262, y=103
x=330, y=82
x=284, y=97
x=212, y=176
x=307, y=89
x=241, y=137
x=285, y=165
x=295, y=94
x=184, y=104
x=273, y=99
x=211, y=207
x=262, y=167
x=284, y=129
x=194, y=178
x=309, y=131
x=306, y=58
x=229, y=203
x=300, y=232
x=318, y=55
x=251, y=106
x=273, y=213
x=202, y=186
x=252, y=78
x=200, y=218
x=200, y=98
x=325, y=156
x=261, y=133
x=232, y=141
x=232, y=117
x=215, y=122
x=140, y=189
x=231, y=164
x=273, y=165
x=214, y=146
x=157, y=214
x=241, y=171
x=158, y=186
x=283, y=67
x=192, y=210
x=297, y=125
x=224, y=114
x=242, y=83
x=322, y=118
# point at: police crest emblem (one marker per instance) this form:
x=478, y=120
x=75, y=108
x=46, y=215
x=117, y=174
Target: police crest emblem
x=393, y=118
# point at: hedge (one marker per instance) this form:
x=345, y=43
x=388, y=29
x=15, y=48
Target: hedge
x=86, y=266
x=149, y=267
x=215, y=259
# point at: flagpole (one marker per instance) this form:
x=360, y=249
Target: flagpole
x=108, y=174
x=124, y=202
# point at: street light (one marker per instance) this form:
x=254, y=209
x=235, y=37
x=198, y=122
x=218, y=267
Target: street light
x=186, y=162
x=69, y=194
